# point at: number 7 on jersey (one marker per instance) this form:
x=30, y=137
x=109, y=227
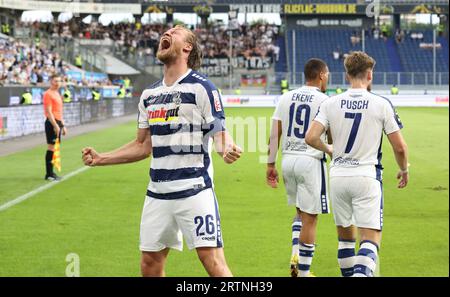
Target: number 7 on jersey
x=356, y=121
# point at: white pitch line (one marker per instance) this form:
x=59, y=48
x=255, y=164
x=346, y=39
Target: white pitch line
x=40, y=189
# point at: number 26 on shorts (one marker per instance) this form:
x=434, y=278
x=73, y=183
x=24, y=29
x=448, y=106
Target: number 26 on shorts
x=205, y=224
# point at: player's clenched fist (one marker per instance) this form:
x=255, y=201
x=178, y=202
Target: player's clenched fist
x=231, y=154
x=272, y=176
x=90, y=156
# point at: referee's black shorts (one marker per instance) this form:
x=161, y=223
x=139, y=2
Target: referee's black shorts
x=50, y=132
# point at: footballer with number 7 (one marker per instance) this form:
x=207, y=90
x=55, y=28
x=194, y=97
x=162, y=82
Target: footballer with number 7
x=356, y=120
x=180, y=117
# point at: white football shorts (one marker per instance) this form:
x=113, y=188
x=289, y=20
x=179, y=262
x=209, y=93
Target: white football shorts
x=305, y=179
x=357, y=200
x=164, y=223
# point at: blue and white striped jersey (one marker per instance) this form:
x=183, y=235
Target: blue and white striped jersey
x=181, y=118
x=357, y=119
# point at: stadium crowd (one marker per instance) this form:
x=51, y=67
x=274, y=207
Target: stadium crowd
x=25, y=64
x=248, y=40
x=22, y=64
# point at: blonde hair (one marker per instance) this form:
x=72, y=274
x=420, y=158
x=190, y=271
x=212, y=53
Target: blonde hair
x=196, y=55
x=358, y=63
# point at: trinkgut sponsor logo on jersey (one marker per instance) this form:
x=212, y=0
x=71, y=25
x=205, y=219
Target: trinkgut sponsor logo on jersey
x=163, y=114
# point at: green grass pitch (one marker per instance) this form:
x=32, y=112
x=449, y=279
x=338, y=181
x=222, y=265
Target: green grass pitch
x=96, y=214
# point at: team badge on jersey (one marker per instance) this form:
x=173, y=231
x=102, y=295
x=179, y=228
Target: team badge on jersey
x=217, y=104
x=177, y=98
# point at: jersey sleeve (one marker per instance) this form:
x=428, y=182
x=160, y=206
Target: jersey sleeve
x=322, y=115
x=142, y=115
x=210, y=104
x=391, y=121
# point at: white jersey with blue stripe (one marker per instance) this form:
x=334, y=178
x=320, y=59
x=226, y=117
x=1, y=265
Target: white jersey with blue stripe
x=296, y=110
x=181, y=118
x=357, y=119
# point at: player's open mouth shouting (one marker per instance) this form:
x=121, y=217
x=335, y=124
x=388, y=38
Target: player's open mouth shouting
x=165, y=43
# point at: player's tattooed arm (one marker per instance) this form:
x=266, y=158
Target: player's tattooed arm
x=134, y=151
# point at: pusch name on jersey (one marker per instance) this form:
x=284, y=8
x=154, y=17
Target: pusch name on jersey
x=354, y=104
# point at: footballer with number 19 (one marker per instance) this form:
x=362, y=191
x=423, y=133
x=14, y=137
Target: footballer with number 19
x=304, y=168
x=180, y=117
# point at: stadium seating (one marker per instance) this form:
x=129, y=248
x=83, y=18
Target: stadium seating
x=281, y=64
x=316, y=43
x=404, y=57
x=416, y=59
x=443, y=41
